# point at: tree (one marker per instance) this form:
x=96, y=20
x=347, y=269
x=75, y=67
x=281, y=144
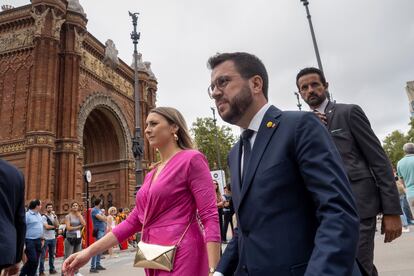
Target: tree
x=393, y=146
x=410, y=134
x=205, y=132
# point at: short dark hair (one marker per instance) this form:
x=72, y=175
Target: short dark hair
x=97, y=201
x=49, y=204
x=247, y=65
x=34, y=203
x=310, y=70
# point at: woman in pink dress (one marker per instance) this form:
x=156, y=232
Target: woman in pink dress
x=177, y=193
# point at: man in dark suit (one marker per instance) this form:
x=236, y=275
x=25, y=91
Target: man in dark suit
x=366, y=163
x=295, y=210
x=12, y=218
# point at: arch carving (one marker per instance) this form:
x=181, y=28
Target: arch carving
x=101, y=101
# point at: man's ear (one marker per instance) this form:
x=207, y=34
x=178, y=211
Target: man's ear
x=256, y=84
x=326, y=85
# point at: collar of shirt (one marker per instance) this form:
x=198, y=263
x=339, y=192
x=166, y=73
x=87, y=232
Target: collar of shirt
x=322, y=107
x=33, y=212
x=255, y=122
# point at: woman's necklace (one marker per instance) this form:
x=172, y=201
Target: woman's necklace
x=163, y=163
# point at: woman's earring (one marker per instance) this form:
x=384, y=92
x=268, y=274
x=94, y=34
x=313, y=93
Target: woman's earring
x=175, y=137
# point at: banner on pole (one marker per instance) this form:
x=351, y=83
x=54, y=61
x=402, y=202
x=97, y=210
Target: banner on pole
x=220, y=177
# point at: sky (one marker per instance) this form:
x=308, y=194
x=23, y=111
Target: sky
x=366, y=48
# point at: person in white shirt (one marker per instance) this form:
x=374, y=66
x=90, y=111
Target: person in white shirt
x=50, y=224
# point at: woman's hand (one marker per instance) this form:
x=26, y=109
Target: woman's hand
x=75, y=261
x=79, y=259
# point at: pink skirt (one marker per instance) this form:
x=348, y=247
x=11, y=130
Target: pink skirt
x=191, y=257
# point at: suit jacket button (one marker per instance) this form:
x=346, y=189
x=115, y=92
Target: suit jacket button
x=244, y=267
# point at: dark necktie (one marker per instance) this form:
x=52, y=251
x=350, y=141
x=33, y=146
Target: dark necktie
x=245, y=138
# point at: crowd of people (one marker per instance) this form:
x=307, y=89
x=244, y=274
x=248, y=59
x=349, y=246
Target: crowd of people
x=306, y=188
x=225, y=210
x=44, y=230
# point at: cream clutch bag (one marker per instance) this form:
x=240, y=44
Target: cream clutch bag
x=155, y=256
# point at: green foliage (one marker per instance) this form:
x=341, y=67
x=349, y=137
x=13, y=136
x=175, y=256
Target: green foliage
x=410, y=134
x=204, y=132
x=394, y=142
x=393, y=146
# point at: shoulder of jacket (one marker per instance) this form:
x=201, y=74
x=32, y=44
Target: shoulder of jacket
x=346, y=106
x=190, y=154
x=293, y=115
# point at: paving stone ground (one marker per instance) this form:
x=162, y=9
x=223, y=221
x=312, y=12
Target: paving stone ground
x=392, y=259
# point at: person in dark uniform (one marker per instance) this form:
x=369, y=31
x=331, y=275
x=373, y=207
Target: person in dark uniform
x=12, y=218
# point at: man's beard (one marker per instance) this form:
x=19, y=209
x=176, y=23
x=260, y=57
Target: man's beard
x=316, y=100
x=238, y=106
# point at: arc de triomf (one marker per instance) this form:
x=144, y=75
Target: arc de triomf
x=66, y=105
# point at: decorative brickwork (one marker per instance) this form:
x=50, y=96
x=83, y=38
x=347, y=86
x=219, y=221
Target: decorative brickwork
x=65, y=108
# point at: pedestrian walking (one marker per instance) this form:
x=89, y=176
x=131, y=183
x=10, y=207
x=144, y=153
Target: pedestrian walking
x=12, y=218
x=99, y=229
x=228, y=212
x=366, y=163
x=74, y=222
x=34, y=238
x=50, y=226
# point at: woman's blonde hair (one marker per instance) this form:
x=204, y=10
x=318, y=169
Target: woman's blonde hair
x=111, y=209
x=174, y=117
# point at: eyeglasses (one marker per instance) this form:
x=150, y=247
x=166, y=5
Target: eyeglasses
x=219, y=83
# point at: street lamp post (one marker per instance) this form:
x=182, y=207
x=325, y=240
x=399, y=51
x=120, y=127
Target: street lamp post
x=299, y=105
x=217, y=143
x=137, y=143
x=315, y=45
x=88, y=179
x=216, y=138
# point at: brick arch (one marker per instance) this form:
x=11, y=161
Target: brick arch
x=104, y=102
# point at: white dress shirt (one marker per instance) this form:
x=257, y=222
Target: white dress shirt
x=254, y=125
x=322, y=107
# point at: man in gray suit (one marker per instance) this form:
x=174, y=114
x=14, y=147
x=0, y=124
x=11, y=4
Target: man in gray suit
x=366, y=163
x=12, y=218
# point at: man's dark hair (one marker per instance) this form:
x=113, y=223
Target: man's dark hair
x=49, y=204
x=34, y=203
x=310, y=70
x=247, y=65
x=120, y=210
x=97, y=201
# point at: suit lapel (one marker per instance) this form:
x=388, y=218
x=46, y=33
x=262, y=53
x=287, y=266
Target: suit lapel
x=267, y=128
x=330, y=112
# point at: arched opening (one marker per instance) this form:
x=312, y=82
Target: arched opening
x=104, y=153
x=100, y=140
